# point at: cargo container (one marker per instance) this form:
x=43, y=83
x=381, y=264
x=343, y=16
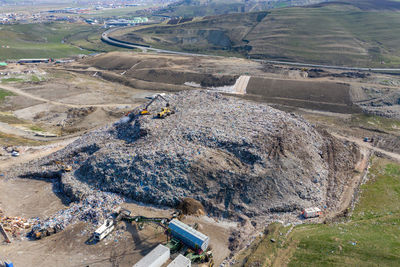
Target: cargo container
x=180, y=261
x=189, y=236
x=311, y=212
x=155, y=258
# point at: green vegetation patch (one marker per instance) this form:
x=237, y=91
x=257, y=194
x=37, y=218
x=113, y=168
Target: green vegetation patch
x=370, y=238
x=375, y=122
x=36, y=128
x=9, y=118
x=13, y=140
x=12, y=80
x=50, y=40
x=4, y=93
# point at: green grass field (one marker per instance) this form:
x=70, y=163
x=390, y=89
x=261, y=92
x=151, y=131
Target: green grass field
x=370, y=237
x=55, y=40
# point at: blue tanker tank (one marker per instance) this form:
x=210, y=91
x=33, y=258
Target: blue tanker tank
x=189, y=236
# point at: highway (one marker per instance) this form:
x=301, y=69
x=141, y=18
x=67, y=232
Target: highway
x=112, y=41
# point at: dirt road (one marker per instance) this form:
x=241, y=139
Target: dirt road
x=39, y=152
x=56, y=103
x=361, y=143
x=240, y=86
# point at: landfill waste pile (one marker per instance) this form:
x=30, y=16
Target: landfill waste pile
x=14, y=225
x=236, y=157
x=94, y=208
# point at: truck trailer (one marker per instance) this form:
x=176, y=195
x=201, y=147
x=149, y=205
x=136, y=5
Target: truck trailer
x=311, y=212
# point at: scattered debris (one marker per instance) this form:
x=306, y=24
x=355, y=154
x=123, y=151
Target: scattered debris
x=94, y=209
x=13, y=225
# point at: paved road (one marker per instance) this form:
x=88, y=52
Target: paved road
x=119, y=43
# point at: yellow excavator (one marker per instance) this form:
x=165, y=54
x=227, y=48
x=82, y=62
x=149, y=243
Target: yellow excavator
x=64, y=167
x=165, y=111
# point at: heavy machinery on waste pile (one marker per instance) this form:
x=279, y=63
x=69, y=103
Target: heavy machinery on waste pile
x=41, y=233
x=165, y=111
x=64, y=167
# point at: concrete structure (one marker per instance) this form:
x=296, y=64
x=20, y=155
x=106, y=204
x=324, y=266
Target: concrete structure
x=189, y=236
x=156, y=258
x=180, y=261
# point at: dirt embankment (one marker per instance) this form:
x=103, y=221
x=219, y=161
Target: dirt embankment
x=155, y=73
x=326, y=96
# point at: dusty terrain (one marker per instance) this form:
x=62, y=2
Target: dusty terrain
x=82, y=96
x=35, y=198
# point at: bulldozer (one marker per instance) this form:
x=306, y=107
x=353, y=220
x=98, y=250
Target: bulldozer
x=165, y=111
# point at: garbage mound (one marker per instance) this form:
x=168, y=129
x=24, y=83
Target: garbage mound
x=234, y=156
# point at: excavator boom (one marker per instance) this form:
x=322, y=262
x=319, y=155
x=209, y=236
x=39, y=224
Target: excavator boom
x=145, y=111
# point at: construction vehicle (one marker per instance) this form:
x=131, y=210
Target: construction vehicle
x=174, y=245
x=311, y=212
x=165, y=111
x=64, y=167
x=41, y=233
x=200, y=258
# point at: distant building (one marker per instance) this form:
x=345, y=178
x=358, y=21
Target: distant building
x=125, y=22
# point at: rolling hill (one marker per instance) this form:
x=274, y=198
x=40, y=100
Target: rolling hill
x=195, y=8
x=354, y=33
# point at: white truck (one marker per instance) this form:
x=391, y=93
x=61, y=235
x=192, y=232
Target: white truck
x=311, y=212
x=104, y=230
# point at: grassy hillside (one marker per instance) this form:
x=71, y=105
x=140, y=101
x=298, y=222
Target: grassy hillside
x=370, y=238
x=357, y=33
x=49, y=40
x=195, y=8
x=336, y=34
x=218, y=33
